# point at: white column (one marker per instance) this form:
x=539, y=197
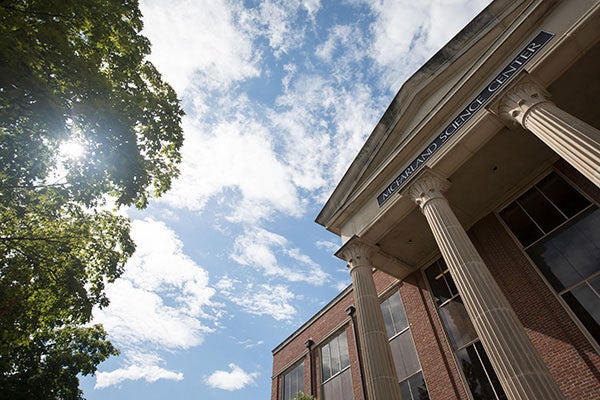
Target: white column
x=519, y=367
x=572, y=139
x=379, y=372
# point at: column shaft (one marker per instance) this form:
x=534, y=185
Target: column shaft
x=572, y=139
x=378, y=367
x=518, y=365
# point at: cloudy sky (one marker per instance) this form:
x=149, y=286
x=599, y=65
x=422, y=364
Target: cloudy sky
x=279, y=96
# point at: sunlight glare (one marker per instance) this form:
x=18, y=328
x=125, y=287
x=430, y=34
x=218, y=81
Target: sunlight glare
x=72, y=149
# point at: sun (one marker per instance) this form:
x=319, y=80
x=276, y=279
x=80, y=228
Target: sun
x=72, y=149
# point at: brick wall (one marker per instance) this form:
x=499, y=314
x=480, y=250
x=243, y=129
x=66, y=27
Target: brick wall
x=320, y=331
x=571, y=359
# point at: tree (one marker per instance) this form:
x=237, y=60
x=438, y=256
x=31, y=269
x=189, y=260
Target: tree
x=304, y=396
x=72, y=70
x=77, y=68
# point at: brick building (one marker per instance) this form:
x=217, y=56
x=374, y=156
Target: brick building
x=470, y=224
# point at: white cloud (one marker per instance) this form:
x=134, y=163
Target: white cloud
x=328, y=246
x=225, y=284
x=160, y=301
x=344, y=47
x=277, y=20
x=191, y=36
x=324, y=126
x=237, y=162
x=249, y=344
x=235, y=379
x=263, y=250
x=312, y=6
x=341, y=285
x=406, y=33
x=144, y=367
x=271, y=300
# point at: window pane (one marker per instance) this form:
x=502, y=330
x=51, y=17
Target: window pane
x=448, y=278
x=520, y=224
x=418, y=388
x=566, y=198
x=570, y=254
x=440, y=289
x=480, y=386
x=585, y=303
x=490, y=371
x=293, y=382
x=287, y=388
x=405, y=390
x=541, y=210
x=457, y=323
x=404, y=355
x=335, y=356
x=340, y=387
x=346, y=383
x=393, y=315
x=398, y=315
x=326, y=362
x=344, y=355
x=387, y=318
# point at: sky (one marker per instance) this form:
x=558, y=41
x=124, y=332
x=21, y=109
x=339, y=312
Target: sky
x=279, y=96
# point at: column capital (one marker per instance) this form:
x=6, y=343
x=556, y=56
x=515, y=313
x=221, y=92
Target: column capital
x=427, y=187
x=519, y=100
x=356, y=253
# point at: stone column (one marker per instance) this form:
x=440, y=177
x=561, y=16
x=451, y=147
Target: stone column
x=519, y=367
x=572, y=139
x=378, y=366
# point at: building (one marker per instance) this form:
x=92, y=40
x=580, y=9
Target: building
x=470, y=224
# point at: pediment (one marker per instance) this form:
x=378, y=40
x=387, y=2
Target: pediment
x=428, y=97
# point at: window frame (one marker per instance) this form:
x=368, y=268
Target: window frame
x=395, y=291
x=445, y=332
x=558, y=295
x=293, y=368
x=327, y=342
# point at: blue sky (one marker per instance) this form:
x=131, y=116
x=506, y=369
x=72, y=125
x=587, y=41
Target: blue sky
x=279, y=95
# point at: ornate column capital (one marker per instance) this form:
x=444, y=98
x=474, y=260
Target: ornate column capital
x=518, y=101
x=356, y=253
x=427, y=187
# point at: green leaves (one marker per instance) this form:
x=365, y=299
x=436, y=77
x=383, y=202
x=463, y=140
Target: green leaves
x=79, y=67
x=57, y=257
x=72, y=69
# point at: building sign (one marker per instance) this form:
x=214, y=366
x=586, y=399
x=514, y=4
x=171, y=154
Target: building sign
x=462, y=117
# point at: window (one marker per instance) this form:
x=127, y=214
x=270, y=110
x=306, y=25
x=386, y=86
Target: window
x=560, y=231
x=293, y=382
x=335, y=369
x=408, y=368
x=476, y=367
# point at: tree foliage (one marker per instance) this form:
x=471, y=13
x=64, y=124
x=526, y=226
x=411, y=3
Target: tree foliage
x=72, y=70
x=304, y=396
x=77, y=68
